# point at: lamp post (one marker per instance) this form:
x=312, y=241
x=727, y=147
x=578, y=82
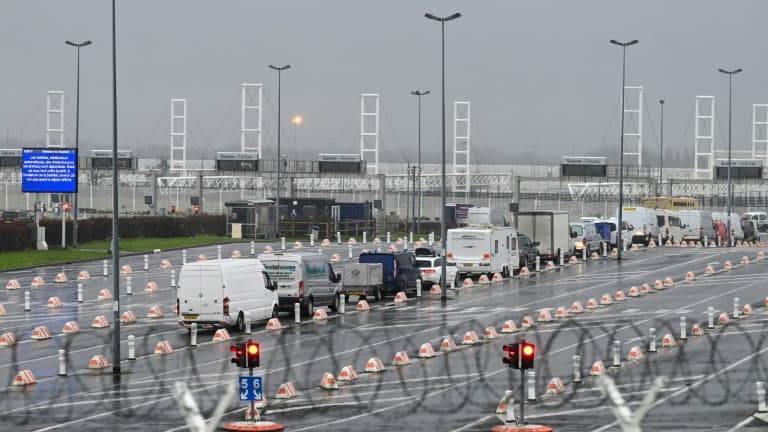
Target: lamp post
x=419, y=94
x=297, y=120
x=661, y=150
x=77, y=132
x=619, y=230
x=277, y=184
x=116, y=370
x=730, y=118
x=442, y=21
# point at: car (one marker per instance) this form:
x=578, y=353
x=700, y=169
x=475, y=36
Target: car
x=528, y=250
x=584, y=238
x=431, y=268
x=10, y=217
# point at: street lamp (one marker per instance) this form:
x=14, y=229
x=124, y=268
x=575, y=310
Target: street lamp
x=116, y=368
x=277, y=185
x=730, y=99
x=77, y=131
x=661, y=150
x=619, y=230
x=419, y=94
x=442, y=21
x=297, y=120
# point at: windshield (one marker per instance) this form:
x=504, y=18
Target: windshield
x=423, y=263
x=281, y=270
x=660, y=220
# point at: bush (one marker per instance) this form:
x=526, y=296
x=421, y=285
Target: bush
x=16, y=236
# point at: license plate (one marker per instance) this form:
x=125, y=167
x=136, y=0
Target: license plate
x=355, y=292
x=189, y=317
x=467, y=264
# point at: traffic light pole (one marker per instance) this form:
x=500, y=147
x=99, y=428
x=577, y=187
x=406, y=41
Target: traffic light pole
x=253, y=416
x=522, y=385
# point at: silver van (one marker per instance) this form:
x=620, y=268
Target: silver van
x=303, y=277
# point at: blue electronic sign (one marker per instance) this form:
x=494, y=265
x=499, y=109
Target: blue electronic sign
x=49, y=170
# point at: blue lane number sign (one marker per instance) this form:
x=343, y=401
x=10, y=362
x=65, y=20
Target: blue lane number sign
x=251, y=388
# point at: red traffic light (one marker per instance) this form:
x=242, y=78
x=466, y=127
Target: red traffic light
x=239, y=358
x=253, y=349
x=528, y=351
x=512, y=358
x=253, y=352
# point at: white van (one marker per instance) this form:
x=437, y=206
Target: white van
x=643, y=224
x=670, y=225
x=760, y=218
x=219, y=293
x=697, y=224
x=736, y=231
x=303, y=277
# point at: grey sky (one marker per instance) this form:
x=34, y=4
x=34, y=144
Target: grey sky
x=541, y=75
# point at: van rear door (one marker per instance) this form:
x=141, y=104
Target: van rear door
x=286, y=271
x=201, y=293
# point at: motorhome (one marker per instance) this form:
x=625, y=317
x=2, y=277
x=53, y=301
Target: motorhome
x=221, y=293
x=483, y=249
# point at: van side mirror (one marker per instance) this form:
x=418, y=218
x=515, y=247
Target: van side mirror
x=273, y=287
x=332, y=276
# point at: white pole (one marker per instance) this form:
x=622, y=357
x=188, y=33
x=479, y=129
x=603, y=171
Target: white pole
x=62, y=362
x=349, y=249
x=616, y=354
x=761, y=405
x=389, y=237
x=710, y=317
x=128, y=288
x=131, y=347
x=282, y=243
x=193, y=335
x=418, y=287
x=509, y=415
x=652, y=340
x=297, y=313
x=173, y=278
x=342, y=301
x=735, y=307
x=364, y=237
x=576, y=369
x=63, y=225
x=562, y=258
x=184, y=256
x=218, y=252
x=531, y=385
x=27, y=306
x=104, y=267
x=253, y=247
x=538, y=263
x=146, y=262
x=247, y=323
x=79, y=293
x=338, y=236
x=683, y=329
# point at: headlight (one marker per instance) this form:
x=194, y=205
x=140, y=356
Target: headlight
x=639, y=233
x=579, y=245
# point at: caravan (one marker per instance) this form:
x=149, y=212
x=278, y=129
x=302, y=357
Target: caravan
x=483, y=249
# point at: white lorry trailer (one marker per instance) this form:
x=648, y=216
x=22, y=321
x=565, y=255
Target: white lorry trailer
x=483, y=249
x=549, y=228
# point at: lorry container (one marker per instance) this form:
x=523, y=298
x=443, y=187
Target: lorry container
x=549, y=228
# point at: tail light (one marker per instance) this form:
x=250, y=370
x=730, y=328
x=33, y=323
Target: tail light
x=178, y=311
x=428, y=271
x=449, y=255
x=301, y=289
x=226, y=306
x=486, y=256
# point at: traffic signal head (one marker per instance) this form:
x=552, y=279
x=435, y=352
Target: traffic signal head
x=239, y=355
x=512, y=355
x=253, y=352
x=66, y=206
x=527, y=352
x=173, y=209
x=197, y=209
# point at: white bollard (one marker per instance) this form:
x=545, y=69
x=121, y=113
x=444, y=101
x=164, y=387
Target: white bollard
x=389, y=237
x=652, y=340
x=193, y=335
x=282, y=243
x=218, y=252
x=312, y=239
x=405, y=243
x=623, y=245
x=105, y=268
x=338, y=236
x=531, y=385
x=184, y=254
x=605, y=249
x=719, y=241
x=706, y=241
x=349, y=249
x=27, y=306
x=735, y=307
x=131, y=347
x=128, y=288
x=253, y=247
x=62, y=362
x=431, y=238
x=683, y=329
x=576, y=369
x=342, y=301
x=509, y=415
x=562, y=258
x=378, y=249
x=365, y=238
x=760, y=388
x=710, y=317
x=297, y=313
x=418, y=287
x=247, y=323
x=146, y=262
x=319, y=250
x=616, y=354
x=173, y=278
x=661, y=240
x=538, y=263
x=410, y=237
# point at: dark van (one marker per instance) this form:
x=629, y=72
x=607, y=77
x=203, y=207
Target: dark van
x=399, y=268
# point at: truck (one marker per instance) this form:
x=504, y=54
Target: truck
x=483, y=249
x=486, y=216
x=363, y=280
x=549, y=228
